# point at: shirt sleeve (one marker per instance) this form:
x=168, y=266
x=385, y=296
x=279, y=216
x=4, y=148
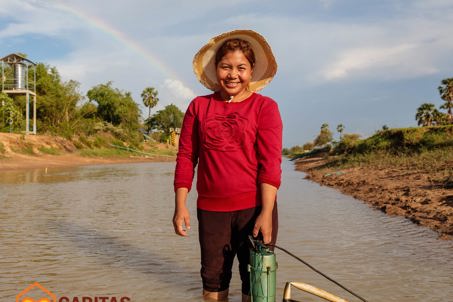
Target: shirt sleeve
x=269, y=144
x=187, y=157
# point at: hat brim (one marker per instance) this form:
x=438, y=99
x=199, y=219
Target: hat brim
x=263, y=71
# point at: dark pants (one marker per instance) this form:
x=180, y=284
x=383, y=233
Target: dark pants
x=222, y=236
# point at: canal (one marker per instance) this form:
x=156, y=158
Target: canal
x=106, y=231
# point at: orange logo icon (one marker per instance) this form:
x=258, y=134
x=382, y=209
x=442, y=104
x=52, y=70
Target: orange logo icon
x=36, y=293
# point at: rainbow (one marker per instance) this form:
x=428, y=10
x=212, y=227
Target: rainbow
x=122, y=38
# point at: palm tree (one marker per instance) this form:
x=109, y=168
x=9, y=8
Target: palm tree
x=441, y=118
x=324, y=135
x=150, y=99
x=446, y=94
x=425, y=114
x=340, y=129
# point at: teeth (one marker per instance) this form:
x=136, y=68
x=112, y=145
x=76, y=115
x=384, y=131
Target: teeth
x=231, y=84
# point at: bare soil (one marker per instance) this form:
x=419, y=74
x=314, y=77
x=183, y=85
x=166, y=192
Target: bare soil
x=413, y=194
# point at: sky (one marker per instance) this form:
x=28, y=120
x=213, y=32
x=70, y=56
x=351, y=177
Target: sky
x=363, y=64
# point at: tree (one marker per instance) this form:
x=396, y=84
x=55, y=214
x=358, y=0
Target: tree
x=446, y=94
x=57, y=100
x=88, y=111
x=340, y=129
x=150, y=99
x=10, y=114
x=169, y=118
x=115, y=107
x=441, y=118
x=324, y=136
x=426, y=114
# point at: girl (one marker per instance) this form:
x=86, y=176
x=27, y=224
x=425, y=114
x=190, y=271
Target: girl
x=235, y=137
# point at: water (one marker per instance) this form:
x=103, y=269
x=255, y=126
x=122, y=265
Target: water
x=106, y=231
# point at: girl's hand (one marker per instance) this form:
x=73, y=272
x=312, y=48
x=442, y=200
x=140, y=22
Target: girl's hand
x=181, y=221
x=263, y=224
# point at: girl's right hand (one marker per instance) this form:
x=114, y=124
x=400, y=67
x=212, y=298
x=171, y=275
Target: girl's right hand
x=181, y=221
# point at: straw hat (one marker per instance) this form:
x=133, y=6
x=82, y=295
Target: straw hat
x=263, y=71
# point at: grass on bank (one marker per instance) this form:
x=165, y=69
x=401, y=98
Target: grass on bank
x=104, y=152
x=49, y=150
x=427, y=160
x=24, y=148
x=437, y=163
x=2, y=150
x=406, y=140
x=115, y=152
x=424, y=148
x=117, y=144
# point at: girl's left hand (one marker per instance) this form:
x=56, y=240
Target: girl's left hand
x=263, y=224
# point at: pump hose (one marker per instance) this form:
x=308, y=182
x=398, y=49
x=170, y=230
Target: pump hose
x=319, y=272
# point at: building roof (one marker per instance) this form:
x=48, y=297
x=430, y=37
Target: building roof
x=15, y=58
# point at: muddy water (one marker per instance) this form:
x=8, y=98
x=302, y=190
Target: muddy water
x=105, y=231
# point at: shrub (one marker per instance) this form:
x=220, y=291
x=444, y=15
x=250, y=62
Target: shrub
x=296, y=149
x=412, y=136
x=157, y=136
x=347, y=144
x=78, y=144
x=308, y=146
x=49, y=150
x=85, y=141
x=99, y=141
x=24, y=148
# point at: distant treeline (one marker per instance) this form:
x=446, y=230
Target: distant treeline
x=62, y=110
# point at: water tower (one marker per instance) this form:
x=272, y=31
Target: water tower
x=19, y=77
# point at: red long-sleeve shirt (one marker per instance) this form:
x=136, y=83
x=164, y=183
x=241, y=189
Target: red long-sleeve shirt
x=237, y=146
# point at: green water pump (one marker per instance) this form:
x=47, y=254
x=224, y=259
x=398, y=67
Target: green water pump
x=263, y=270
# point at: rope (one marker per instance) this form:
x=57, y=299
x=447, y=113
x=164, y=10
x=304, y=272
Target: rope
x=319, y=272
x=257, y=272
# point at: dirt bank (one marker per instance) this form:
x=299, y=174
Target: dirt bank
x=410, y=193
x=45, y=151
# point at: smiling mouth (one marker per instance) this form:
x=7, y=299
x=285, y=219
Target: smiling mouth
x=232, y=84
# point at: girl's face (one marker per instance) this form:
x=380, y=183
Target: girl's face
x=234, y=73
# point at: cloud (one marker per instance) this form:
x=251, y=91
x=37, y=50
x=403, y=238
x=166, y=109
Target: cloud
x=433, y=4
x=33, y=17
x=179, y=89
x=404, y=46
x=398, y=58
x=326, y=3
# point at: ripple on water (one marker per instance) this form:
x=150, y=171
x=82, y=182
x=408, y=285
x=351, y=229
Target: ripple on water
x=107, y=230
